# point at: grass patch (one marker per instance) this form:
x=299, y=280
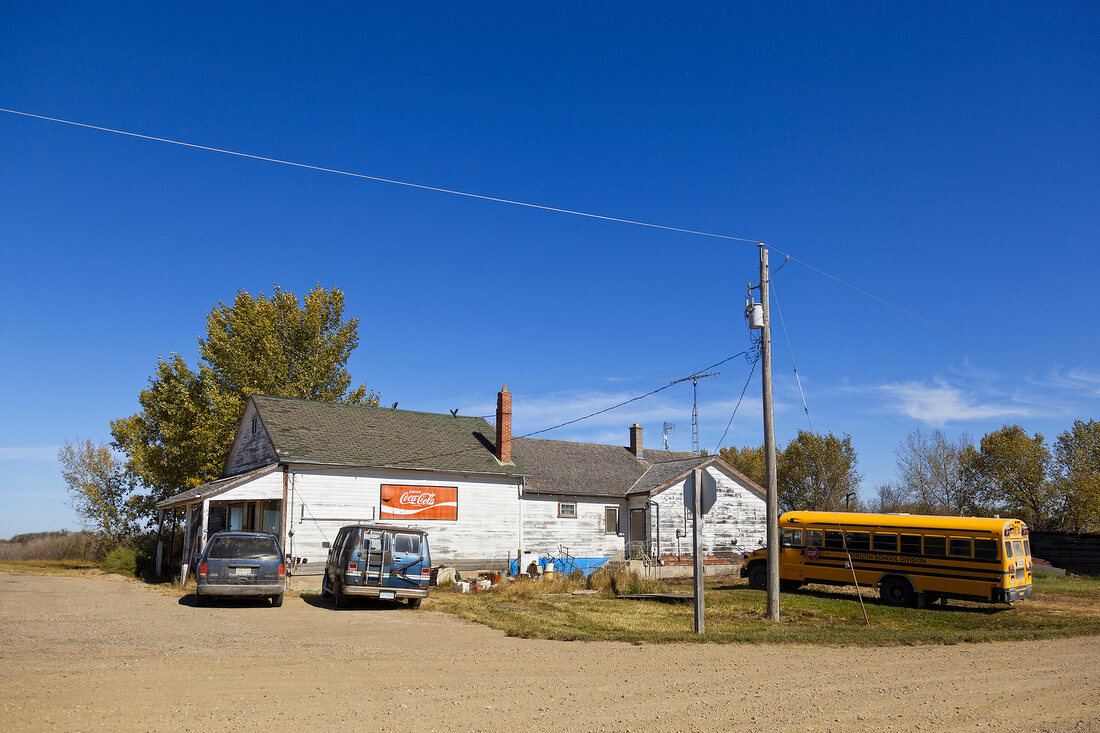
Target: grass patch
x=75, y=568
x=735, y=614
x=1066, y=584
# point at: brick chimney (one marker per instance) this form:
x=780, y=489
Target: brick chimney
x=636, y=441
x=504, y=425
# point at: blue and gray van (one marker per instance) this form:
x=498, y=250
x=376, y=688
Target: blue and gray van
x=377, y=561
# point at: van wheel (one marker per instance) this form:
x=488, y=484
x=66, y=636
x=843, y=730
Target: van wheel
x=338, y=598
x=758, y=576
x=896, y=592
x=277, y=601
x=200, y=599
x=415, y=602
x=325, y=592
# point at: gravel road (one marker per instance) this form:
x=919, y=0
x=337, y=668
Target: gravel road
x=102, y=653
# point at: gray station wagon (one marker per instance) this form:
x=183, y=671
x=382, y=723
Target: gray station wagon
x=377, y=561
x=241, y=564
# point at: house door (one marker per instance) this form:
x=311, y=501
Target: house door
x=637, y=527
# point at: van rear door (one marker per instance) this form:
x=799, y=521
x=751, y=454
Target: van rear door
x=409, y=565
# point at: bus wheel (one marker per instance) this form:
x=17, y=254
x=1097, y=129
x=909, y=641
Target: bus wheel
x=758, y=576
x=896, y=592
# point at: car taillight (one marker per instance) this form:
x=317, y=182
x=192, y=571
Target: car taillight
x=352, y=567
x=202, y=570
x=426, y=571
x=282, y=570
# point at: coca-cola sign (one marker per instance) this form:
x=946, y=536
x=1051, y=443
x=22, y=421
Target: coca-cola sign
x=419, y=502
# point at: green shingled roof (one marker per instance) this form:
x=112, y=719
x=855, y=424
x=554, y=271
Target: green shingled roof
x=327, y=433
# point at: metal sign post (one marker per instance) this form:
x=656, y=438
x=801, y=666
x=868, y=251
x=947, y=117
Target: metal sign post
x=700, y=492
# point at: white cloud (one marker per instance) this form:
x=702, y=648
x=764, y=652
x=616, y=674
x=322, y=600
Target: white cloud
x=941, y=403
x=28, y=453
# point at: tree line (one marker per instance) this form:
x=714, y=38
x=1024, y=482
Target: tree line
x=187, y=415
x=1008, y=473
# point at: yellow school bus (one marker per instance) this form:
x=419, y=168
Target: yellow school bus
x=912, y=559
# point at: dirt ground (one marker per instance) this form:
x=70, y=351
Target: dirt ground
x=89, y=654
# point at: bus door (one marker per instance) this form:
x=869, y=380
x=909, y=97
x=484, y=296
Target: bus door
x=790, y=555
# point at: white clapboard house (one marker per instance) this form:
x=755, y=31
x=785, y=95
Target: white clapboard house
x=302, y=469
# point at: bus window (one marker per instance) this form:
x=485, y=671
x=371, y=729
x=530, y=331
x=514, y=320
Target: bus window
x=791, y=538
x=934, y=545
x=1018, y=547
x=885, y=542
x=1008, y=550
x=985, y=549
x=859, y=540
x=910, y=544
x=1027, y=547
x=834, y=540
x=813, y=538
x=960, y=547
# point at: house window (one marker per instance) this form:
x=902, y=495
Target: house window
x=567, y=510
x=253, y=426
x=611, y=520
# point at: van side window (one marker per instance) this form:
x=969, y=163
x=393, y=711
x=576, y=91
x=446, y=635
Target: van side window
x=910, y=544
x=813, y=538
x=935, y=545
x=407, y=544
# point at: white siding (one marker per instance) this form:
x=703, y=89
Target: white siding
x=738, y=514
x=249, y=450
x=584, y=536
x=322, y=501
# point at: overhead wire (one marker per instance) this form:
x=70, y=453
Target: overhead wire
x=572, y=212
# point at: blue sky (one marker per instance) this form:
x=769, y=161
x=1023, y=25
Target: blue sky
x=943, y=157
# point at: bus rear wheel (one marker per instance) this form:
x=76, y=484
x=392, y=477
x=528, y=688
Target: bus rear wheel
x=896, y=592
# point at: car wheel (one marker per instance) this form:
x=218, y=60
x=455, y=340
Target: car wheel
x=415, y=602
x=896, y=592
x=277, y=601
x=758, y=576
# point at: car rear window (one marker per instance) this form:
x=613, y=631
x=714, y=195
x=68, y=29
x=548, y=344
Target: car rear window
x=237, y=547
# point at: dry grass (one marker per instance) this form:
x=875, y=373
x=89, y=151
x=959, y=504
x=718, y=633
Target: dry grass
x=50, y=546
x=735, y=613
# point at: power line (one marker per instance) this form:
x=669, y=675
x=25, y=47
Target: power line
x=752, y=369
x=589, y=215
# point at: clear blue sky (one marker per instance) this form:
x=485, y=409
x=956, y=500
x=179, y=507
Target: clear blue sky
x=943, y=157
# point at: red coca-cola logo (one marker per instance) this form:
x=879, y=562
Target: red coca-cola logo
x=417, y=498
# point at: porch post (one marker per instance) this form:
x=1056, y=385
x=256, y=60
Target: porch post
x=205, y=523
x=160, y=539
x=186, y=536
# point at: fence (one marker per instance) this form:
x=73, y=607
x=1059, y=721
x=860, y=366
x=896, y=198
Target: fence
x=1073, y=551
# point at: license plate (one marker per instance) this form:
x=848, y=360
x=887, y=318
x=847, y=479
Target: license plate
x=242, y=571
x=387, y=595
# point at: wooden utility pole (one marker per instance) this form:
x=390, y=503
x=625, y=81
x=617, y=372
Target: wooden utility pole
x=769, y=445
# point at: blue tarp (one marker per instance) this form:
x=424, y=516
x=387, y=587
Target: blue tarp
x=585, y=564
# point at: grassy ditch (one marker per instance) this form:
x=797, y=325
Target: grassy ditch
x=1062, y=607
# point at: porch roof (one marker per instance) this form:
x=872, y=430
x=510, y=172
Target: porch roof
x=213, y=488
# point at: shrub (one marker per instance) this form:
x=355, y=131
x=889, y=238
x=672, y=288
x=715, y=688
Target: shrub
x=61, y=545
x=121, y=561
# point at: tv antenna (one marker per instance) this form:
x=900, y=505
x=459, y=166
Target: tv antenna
x=694, y=379
x=669, y=429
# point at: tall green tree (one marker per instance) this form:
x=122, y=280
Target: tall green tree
x=1011, y=471
x=1077, y=470
x=817, y=471
x=277, y=346
x=100, y=488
